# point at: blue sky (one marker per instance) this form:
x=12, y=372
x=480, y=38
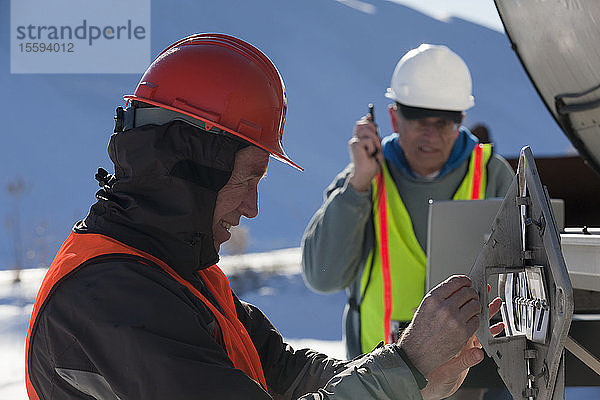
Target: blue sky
x=482, y=12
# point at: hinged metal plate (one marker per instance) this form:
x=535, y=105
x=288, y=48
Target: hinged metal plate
x=517, y=244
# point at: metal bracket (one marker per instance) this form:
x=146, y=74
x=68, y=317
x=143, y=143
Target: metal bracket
x=524, y=252
x=583, y=354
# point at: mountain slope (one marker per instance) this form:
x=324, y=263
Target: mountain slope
x=334, y=59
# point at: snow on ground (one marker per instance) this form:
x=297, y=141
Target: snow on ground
x=271, y=281
x=16, y=301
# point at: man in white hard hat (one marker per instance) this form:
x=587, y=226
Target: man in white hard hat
x=369, y=236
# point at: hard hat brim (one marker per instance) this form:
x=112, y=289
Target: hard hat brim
x=411, y=113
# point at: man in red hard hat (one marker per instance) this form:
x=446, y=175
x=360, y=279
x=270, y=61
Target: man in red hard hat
x=134, y=305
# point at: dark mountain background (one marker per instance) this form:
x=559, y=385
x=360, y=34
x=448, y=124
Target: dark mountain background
x=334, y=60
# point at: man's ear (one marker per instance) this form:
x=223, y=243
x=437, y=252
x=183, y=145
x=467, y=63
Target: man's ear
x=462, y=118
x=393, y=118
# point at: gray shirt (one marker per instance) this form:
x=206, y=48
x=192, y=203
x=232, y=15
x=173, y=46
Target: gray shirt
x=340, y=235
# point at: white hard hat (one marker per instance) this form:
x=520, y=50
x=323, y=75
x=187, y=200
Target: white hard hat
x=433, y=77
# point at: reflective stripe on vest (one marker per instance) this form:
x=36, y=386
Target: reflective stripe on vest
x=393, y=279
x=79, y=248
x=474, y=184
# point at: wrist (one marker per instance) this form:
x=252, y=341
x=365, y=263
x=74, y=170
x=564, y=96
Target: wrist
x=358, y=185
x=416, y=355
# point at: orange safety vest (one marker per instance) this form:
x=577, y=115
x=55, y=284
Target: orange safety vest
x=79, y=248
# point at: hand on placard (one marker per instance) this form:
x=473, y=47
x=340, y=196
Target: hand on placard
x=446, y=318
x=447, y=378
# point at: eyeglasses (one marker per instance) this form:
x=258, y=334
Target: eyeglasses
x=440, y=125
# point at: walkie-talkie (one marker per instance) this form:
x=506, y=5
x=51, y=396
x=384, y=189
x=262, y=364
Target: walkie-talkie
x=372, y=114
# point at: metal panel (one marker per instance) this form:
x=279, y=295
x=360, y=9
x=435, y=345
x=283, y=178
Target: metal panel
x=523, y=244
x=456, y=231
x=582, y=255
x=557, y=43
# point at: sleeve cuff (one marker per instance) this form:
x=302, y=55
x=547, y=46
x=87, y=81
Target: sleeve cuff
x=419, y=378
x=355, y=198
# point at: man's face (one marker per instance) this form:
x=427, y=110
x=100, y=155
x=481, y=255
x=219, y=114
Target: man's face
x=427, y=142
x=239, y=197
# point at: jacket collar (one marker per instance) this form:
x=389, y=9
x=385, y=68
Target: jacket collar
x=462, y=149
x=162, y=196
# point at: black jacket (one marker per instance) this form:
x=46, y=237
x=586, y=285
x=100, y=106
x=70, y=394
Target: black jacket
x=120, y=329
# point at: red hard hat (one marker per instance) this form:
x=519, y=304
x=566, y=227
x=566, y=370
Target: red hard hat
x=224, y=82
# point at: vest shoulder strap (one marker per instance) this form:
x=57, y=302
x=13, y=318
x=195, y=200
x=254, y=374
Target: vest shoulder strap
x=474, y=184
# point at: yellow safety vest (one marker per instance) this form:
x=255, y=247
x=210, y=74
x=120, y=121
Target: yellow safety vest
x=393, y=280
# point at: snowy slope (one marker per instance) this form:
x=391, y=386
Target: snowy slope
x=335, y=59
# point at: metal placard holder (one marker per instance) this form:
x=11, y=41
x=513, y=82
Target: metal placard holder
x=523, y=252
